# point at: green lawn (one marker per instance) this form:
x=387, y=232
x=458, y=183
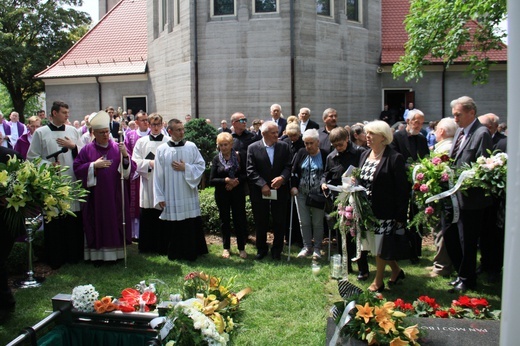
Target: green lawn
x=288, y=305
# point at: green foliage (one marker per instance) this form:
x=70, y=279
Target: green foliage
x=204, y=136
x=210, y=214
x=33, y=35
x=437, y=29
x=288, y=304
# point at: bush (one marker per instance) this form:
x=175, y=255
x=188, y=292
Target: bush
x=210, y=214
x=204, y=136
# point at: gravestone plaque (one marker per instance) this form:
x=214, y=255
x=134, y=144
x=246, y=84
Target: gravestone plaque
x=442, y=332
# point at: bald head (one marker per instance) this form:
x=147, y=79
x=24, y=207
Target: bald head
x=490, y=121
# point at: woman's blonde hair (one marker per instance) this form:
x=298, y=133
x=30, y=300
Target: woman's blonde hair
x=380, y=127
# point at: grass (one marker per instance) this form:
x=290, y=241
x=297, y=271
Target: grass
x=288, y=305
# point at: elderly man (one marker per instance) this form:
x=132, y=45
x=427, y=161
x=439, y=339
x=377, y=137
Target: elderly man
x=305, y=122
x=179, y=167
x=330, y=120
x=56, y=143
x=412, y=144
x=223, y=127
x=268, y=171
x=491, y=121
x=276, y=116
x=472, y=141
x=16, y=128
x=492, y=238
x=100, y=165
x=23, y=143
x=444, y=132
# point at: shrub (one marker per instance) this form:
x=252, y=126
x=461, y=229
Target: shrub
x=210, y=214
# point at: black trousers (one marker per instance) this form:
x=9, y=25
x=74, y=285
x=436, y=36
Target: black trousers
x=151, y=232
x=263, y=210
x=232, y=203
x=491, y=242
x=461, y=241
x=64, y=240
x=6, y=245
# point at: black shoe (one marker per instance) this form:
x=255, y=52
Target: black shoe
x=462, y=286
x=276, y=255
x=260, y=255
x=400, y=276
x=414, y=260
x=362, y=276
x=455, y=282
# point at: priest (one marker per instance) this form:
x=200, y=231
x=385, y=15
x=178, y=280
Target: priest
x=150, y=226
x=179, y=167
x=99, y=166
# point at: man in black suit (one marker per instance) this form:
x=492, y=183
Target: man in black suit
x=491, y=242
x=472, y=140
x=305, y=122
x=490, y=121
x=412, y=145
x=276, y=116
x=114, y=125
x=268, y=172
x=7, y=302
x=410, y=142
x=330, y=121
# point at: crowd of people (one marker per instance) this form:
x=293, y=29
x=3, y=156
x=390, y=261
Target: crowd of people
x=143, y=184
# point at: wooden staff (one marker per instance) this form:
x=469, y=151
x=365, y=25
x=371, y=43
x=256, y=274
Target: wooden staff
x=122, y=193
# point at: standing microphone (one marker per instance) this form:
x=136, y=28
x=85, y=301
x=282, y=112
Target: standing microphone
x=55, y=155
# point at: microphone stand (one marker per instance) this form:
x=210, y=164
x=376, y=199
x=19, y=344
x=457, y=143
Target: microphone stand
x=122, y=194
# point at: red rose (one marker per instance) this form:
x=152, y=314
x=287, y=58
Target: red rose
x=441, y=314
x=416, y=186
x=445, y=158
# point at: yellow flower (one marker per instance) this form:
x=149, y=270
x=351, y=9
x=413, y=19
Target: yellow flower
x=50, y=201
x=3, y=178
x=214, y=282
x=230, y=324
x=371, y=338
x=399, y=314
x=63, y=191
x=219, y=322
x=15, y=202
x=223, y=291
x=412, y=332
x=18, y=189
x=170, y=343
x=364, y=312
x=203, y=276
x=64, y=205
x=398, y=342
x=387, y=325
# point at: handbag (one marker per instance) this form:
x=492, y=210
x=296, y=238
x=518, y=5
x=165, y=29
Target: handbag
x=396, y=245
x=315, y=200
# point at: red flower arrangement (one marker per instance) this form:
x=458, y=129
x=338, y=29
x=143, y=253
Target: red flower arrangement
x=464, y=307
x=133, y=300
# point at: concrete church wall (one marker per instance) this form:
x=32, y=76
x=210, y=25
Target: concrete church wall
x=245, y=64
x=83, y=99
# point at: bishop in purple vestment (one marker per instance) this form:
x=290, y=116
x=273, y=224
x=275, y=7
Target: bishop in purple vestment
x=98, y=165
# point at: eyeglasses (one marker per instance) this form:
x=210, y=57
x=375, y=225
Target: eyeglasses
x=143, y=120
x=243, y=120
x=156, y=125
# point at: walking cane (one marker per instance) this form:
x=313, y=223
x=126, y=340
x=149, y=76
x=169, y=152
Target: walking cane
x=122, y=194
x=290, y=230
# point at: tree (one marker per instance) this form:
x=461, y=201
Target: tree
x=448, y=30
x=34, y=34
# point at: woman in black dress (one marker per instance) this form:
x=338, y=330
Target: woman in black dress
x=383, y=174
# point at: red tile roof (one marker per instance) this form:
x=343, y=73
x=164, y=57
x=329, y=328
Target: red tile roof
x=116, y=45
x=394, y=35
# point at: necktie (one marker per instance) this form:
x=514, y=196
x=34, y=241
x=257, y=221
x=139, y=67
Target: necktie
x=457, y=144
